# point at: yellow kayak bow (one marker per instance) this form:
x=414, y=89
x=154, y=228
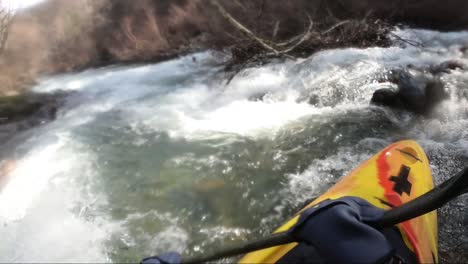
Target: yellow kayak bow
x=394, y=176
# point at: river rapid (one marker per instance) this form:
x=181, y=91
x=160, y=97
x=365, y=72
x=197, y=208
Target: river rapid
x=151, y=158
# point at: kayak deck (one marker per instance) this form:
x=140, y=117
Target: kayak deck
x=397, y=174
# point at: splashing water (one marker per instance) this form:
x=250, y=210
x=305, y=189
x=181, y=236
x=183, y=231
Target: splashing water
x=152, y=158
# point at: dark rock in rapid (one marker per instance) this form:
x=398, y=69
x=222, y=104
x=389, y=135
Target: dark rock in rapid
x=419, y=89
x=314, y=100
x=257, y=97
x=446, y=67
x=21, y=112
x=387, y=97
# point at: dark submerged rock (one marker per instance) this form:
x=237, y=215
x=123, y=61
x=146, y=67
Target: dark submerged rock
x=446, y=67
x=387, y=97
x=419, y=89
x=314, y=100
x=257, y=97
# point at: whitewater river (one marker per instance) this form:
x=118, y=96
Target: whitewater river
x=151, y=158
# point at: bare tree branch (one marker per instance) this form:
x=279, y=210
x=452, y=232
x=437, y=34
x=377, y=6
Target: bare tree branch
x=268, y=45
x=276, y=29
x=6, y=18
x=289, y=41
x=304, y=37
x=242, y=28
x=262, y=7
x=239, y=4
x=337, y=25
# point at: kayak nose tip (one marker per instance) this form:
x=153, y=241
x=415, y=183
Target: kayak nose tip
x=410, y=155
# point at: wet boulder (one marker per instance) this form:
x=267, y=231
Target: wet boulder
x=387, y=97
x=446, y=67
x=21, y=112
x=418, y=90
x=257, y=97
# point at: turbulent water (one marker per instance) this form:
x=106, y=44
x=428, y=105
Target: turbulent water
x=152, y=158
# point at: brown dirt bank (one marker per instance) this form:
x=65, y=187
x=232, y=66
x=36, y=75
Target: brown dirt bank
x=61, y=36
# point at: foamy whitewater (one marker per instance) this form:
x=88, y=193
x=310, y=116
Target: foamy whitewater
x=153, y=158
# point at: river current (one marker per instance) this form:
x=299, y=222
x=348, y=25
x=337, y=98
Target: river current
x=152, y=158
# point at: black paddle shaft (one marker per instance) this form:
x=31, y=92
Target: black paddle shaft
x=271, y=241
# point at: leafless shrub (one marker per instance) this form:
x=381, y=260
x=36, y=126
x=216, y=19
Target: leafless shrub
x=6, y=18
x=255, y=41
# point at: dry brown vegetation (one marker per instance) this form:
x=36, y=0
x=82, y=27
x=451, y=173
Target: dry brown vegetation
x=60, y=35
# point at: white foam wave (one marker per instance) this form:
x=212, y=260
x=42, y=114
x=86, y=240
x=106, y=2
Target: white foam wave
x=29, y=179
x=321, y=174
x=38, y=204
